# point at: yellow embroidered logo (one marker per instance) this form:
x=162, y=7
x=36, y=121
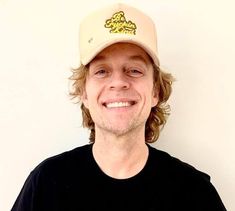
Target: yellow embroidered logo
x=118, y=24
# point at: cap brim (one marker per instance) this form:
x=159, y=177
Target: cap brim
x=107, y=43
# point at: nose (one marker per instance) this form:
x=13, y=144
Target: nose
x=119, y=81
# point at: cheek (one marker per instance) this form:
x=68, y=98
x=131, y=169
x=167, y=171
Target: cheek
x=146, y=92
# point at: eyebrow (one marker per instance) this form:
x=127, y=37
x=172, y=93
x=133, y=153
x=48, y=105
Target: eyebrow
x=139, y=58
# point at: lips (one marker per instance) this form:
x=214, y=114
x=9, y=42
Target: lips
x=119, y=104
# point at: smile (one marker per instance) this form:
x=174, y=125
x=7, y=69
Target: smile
x=119, y=104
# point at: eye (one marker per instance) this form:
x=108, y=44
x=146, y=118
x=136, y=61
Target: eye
x=135, y=72
x=101, y=73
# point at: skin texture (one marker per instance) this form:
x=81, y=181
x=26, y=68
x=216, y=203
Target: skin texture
x=119, y=95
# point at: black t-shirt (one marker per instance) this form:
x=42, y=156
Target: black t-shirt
x=72, y=181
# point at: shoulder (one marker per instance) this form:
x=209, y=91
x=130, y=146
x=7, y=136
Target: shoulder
x=50, y=177
x=182, y=180
x=175, y=168
x=64, y=162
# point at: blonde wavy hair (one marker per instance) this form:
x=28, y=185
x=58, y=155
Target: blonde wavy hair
x=158, y=115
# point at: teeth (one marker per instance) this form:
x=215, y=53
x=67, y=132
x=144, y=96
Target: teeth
x=118, y=104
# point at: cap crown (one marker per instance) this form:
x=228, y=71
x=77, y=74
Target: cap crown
x=116, y=23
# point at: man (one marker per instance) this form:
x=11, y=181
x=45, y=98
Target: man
x=123, y=94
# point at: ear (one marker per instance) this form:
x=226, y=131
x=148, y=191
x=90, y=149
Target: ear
x=155, y=97
x=84, y=99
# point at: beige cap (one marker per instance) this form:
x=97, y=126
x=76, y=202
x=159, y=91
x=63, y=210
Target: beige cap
x=116, y=23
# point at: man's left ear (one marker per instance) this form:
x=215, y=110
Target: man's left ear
x=155, y=98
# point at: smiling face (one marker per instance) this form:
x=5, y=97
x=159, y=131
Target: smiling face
x=119, y=89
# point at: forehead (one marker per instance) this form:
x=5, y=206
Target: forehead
x=124, y=51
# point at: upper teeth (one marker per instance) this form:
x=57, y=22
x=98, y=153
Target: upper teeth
x=118, y=104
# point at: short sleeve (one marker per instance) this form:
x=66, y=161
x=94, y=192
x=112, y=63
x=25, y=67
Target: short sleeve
x=26, y=200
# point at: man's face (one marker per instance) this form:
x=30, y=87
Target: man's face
x=119, y=89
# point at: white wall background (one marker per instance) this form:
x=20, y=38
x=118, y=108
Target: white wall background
x=38, y=46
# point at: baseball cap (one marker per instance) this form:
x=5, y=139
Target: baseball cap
x=116, y=23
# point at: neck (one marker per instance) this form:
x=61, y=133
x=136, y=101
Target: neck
x=120, y=156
